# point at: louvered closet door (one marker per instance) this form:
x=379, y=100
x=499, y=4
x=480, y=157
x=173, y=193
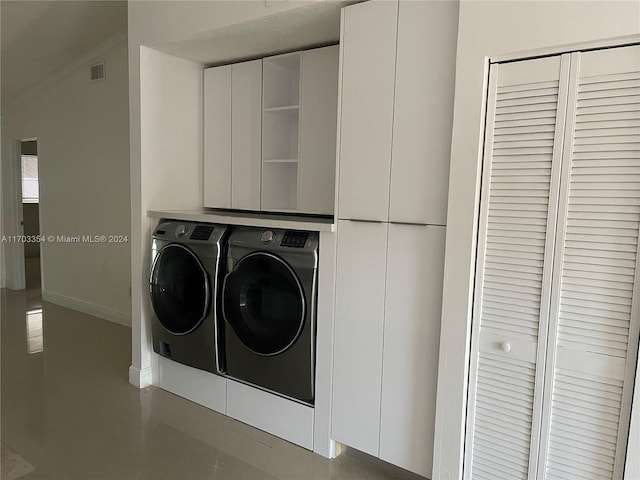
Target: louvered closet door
x=525, y=122
x=593, y=336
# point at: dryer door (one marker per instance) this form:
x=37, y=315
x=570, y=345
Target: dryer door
x=264, y=303
x=179, y=287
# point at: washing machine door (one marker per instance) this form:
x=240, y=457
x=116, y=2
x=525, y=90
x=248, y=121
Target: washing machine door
x=263, y=301
x=179, y=287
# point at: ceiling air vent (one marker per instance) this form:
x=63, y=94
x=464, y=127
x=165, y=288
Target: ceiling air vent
x=97, y=71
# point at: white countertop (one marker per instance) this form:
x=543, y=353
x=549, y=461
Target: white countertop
x=269, y=220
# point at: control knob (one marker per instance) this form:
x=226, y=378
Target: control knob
x=181, y=230
x=267, y=236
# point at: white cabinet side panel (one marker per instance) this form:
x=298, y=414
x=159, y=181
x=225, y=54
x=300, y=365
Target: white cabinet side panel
x=246, y=134
x=273, y=414
x=415, y=268
x=423, y=112
x=318, y=119
x=217, y=137
x=359, y=319
x=368, y=77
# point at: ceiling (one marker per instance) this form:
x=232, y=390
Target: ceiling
x=315, y=24
x=39, y=38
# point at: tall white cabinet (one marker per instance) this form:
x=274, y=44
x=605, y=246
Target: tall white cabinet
x=395, y=134
x=270, y=133
x=556, y=321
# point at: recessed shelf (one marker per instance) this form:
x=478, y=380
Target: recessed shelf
x=281, y=80
x=280, y=186
x=280, y=132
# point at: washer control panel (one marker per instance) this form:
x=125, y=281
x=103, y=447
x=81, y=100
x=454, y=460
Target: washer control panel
x=202, y=232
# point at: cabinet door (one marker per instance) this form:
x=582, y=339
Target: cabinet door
x=359, y=318
x=423, y=112
x=415, y=268
x=318, y=119
x=594, y=315
x=217, y=137
x=246, y=134
x=526, y=111
x=368, y=76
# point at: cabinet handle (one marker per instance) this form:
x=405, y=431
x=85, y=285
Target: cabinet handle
x=417, y=224
x=360, y=220
x=505, y=347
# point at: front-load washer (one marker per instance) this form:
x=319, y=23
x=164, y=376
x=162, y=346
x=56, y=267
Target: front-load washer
x=186, y=271
x=269, y=308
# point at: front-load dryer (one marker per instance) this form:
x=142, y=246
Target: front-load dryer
x=269, y=308
x=186, y=271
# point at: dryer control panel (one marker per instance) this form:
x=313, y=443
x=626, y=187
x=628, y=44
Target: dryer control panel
x=294, y=239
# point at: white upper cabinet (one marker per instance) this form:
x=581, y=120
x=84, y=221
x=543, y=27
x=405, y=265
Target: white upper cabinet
x=318, y=119
x=246, y=134
x=217, y=137
x=368, y=77
x=398, y=71
x=270, y=133
x=423, y=111
x=232, y=135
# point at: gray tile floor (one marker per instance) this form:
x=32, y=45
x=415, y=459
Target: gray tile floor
x=69, y=413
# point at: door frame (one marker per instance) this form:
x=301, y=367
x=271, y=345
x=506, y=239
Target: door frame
x=14, y=251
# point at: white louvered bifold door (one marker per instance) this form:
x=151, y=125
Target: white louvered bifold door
x=523, y=148
x=593, y=333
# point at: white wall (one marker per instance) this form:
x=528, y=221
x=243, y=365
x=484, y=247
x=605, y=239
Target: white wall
x=83, y=147
x=489, y=28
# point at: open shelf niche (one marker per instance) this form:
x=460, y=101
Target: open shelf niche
x=280, y=131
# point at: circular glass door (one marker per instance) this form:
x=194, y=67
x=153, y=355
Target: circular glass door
x=263, y=301
x=179, y=288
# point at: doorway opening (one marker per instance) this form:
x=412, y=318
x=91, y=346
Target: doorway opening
x=30, y=212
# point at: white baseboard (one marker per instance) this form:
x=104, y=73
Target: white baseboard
x=140, y=378
x=88, y=308
x=11, y=285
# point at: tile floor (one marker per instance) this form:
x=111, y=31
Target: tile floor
x=69, y=413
